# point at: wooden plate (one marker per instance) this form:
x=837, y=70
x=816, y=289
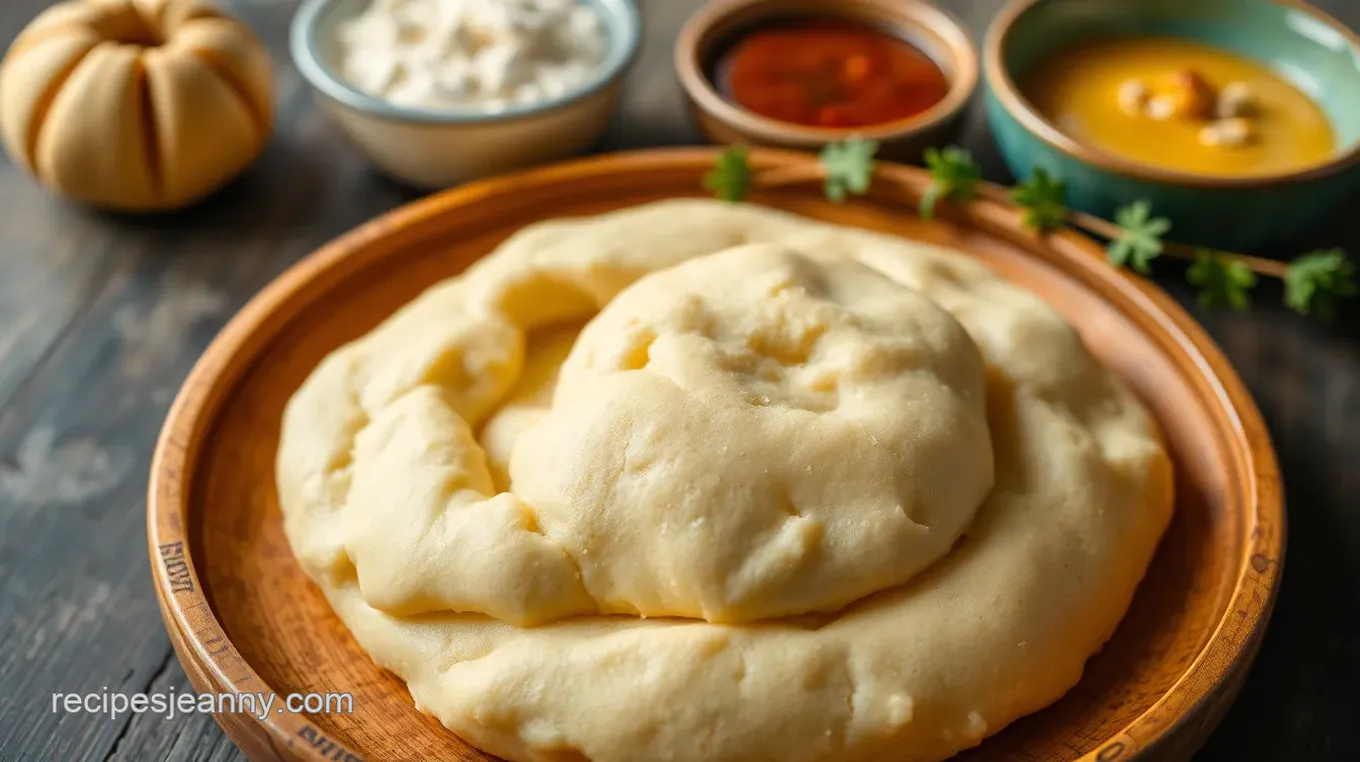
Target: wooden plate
x=244, y=618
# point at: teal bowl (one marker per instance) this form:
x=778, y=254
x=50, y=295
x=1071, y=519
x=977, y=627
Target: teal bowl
x=1256, y=214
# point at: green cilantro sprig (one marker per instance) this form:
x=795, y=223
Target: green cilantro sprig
x=1314, y=283
x=730, y=178
x=1140, y=237
x=849, y=167
x=1043, y=199
x=1223, y=280
x=954, y=177
x=1317, y=281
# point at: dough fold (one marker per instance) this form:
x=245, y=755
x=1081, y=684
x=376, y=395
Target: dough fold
x=707, y=481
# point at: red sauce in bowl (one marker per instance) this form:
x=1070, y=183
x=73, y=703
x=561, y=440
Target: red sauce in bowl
x=830, y=75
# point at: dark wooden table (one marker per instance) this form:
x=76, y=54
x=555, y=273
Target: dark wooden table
x=102, y=316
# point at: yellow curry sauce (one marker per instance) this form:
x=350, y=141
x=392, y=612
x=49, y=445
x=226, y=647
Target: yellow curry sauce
x=1078, y=89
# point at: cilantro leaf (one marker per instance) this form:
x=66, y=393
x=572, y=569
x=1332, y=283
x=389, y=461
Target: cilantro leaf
x=1044, y=200
x=1318, y=280
x=730, y=178
x=1140, y=237
x=849, y=167
x=954, y=177
x=1223, y=281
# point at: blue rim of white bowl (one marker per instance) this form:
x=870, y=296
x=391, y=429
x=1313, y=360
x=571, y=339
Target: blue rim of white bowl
x=620, y=17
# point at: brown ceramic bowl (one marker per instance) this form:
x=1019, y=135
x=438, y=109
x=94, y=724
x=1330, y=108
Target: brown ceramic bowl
x=930, y=29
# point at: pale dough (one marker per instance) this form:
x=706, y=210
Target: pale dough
x=878, y=502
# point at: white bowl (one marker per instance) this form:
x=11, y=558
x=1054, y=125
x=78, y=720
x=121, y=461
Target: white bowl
x=435, y=148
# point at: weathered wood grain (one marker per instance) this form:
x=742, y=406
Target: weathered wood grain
x=100, y=318
x=1300, y=702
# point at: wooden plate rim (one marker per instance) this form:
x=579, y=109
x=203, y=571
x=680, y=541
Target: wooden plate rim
x=187, y=612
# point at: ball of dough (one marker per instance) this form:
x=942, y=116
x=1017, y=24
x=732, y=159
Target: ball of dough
x=481, y=462
x=759, y=433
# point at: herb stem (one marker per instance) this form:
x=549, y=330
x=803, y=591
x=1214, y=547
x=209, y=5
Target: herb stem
x=798, y=174
x=1313, y=283
x=793, y=174
x=1110, y=231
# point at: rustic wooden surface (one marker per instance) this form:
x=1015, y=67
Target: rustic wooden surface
x=101, y=317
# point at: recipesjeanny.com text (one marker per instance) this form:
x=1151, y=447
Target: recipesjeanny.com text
x=172, y=703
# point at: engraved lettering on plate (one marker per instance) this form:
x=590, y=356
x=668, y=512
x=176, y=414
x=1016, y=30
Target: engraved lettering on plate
x=326, y=746
x=176, y=568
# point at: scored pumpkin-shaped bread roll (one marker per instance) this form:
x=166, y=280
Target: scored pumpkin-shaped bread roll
x=135, y=105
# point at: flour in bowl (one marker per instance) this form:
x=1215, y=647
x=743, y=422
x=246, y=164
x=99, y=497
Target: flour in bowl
x=484, y=54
